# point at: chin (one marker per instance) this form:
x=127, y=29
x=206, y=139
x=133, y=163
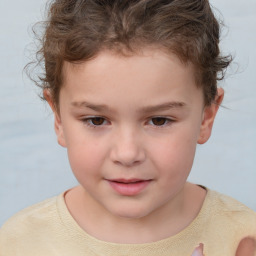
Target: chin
x=130, y=212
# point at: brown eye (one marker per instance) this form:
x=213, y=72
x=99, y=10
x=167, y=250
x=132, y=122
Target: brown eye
x=159, y=121
x=97, y=120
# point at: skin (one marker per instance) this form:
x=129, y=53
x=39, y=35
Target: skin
x=246, y=247
x=125, y=119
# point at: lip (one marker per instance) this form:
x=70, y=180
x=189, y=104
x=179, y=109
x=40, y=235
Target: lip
x=129, y=187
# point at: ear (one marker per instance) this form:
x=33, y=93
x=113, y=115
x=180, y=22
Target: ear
x=209, y=116
x=57, y=120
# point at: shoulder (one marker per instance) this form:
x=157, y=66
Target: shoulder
x=228, y=210
x=32, y=214
x=226, y=203
x=24, y=225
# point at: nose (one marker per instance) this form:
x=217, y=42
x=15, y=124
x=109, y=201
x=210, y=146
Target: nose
x=127, y=148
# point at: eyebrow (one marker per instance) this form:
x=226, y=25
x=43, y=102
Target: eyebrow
x=164, y=106
x=147, y=109
x=95, y=107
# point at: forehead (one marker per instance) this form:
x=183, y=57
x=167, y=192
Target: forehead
x=149, y=74
x=149, y=58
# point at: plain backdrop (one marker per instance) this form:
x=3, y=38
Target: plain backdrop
x=34, y=167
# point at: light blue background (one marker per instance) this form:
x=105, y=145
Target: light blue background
x=32, y=165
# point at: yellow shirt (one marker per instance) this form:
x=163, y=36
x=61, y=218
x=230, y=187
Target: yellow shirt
x=48, y=229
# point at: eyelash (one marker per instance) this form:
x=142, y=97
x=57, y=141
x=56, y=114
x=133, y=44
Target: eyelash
x=89, y=121
x=167, y=121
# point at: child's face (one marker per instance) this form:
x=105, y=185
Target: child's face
x=131, y=126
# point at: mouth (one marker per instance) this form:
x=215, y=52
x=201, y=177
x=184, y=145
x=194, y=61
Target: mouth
x=129, y=187
x=128, y=181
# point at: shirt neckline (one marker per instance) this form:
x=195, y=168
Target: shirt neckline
x=82, y=238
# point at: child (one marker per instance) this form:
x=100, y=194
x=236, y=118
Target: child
x=133, y=88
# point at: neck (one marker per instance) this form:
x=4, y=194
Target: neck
x=164, y=222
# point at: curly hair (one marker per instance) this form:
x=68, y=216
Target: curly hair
x=78, y=30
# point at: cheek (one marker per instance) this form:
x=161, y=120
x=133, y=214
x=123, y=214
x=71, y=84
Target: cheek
x=174, y=156
x=85, y=157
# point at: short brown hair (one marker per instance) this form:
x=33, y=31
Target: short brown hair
x=78, y=30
